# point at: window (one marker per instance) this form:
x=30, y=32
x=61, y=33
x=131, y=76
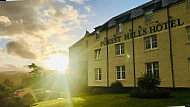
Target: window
x=119, y=28
x=188, y=32
x=149, y=16
x=151, y=42
x=86, y=44
x=119, y=48
x=97, y=35
x=120, y=71
x=188, y=4
x=153, y=68
x=98, y=74
x=189, y=64
x=97, y=54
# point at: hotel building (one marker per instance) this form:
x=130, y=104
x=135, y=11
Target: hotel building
x=153, y=38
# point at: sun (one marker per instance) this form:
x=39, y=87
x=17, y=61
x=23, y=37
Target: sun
x=57, y=62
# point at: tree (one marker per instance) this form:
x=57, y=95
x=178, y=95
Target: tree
x=35, y=71
x=7, y=82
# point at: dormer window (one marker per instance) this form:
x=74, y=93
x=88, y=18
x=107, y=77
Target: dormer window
x=97, y=35
x=149, y=16
x=119, y=28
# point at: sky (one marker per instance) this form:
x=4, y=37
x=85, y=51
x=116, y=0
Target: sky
x=32, y=31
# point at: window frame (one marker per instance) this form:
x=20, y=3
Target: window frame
x=98, y=73
x=97, y=35
x=121, y=72
x=155, y=71
x=189, y=64
x=97, y=54
x=188, y=4
x=121, y=50
x=149, y=14
x=153, y=43
x=188, y=33
x=119, y=28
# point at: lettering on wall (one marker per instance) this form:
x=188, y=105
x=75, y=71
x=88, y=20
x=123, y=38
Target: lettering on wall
x=144, y=31
x=106, y=41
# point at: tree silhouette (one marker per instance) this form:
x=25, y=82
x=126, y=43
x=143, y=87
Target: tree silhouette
x=35, y=71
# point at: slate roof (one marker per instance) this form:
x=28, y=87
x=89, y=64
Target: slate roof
x=134, y=13
x=137, y=12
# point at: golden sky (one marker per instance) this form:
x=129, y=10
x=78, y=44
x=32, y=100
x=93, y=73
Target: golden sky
x=34, y=30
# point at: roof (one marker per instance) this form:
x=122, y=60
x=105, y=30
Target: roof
x=137, y=12
x=132, y=14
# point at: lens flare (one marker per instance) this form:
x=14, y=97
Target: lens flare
x=57, y=62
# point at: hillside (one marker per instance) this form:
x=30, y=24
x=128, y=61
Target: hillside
x=14, y=76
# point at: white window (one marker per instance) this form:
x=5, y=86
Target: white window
x=188, y=4
x=153, y=69
x=97, y=54
x=119, y=28
x=149, y=16
x=120, y=72
x=97, y=35
x=119, y=49
x=98, y=74
x=151, y=42
x=188, y=32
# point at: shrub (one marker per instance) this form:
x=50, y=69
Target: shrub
x=7, y=99
x=46, y=95
x=97, y=90
x=157, y=93
x=148, y=88
x=17, y=102
x=135, y=93
x=116, y=88
x=148, y=82
x=28, y=99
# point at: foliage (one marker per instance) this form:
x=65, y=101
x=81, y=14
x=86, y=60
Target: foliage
x=148, y=88
x=161, y=93
x=35, y=71
x=148, y=82
x=7, y=82
x=116, y=88
x=97, y=90
x=35, y=76
x=42, y=95
x=28, y=99
x=7, y=99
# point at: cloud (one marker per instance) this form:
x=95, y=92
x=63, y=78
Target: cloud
x=1, y=50
x=66, y=14
x=20, y=17
x=10, y=67
x=88, y=8
x=4, y=21
x=22, y=49
x=62, y=1
x=58, y=51
x=36, y=21
x=79, y=1
x=36, y=17
x=63, y=52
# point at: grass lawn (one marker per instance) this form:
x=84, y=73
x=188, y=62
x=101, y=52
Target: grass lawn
x=179, y=98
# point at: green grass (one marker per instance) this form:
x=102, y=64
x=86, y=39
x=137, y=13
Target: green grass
x=119, y=100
